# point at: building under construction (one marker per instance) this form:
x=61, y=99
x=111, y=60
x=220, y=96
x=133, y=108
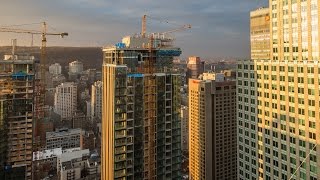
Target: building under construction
x=17, y=81
x=141, y=110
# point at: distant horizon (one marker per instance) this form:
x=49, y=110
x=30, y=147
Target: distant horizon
x=183, y=57
x=219, y=28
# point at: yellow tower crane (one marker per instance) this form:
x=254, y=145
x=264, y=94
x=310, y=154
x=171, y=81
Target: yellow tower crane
x=149, y=67
x=44, y=35
x=39, y=92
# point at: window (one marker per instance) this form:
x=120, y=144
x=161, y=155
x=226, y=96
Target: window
x=313, y=169
x=311, y=91
x=291, y=79
x=311, y=113
x=281, y=68
x=302, y=122
x=300, y=79
x=291, y=99
x=300, y=100
x=310, y=80
x=310, y=70
x=292, y=160
x=312, y=135
x=290, y=69
x=312, y=124
x=311, y=102
x=313, y=158
x=302, y=132
x=302, y=143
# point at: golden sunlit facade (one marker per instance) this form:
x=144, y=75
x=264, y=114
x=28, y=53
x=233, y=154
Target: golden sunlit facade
x=197, y=134
x=114, y=149
x=212, y=129
x=260, y=34
x=287, y=97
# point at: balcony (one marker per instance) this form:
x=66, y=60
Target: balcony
x=120, y=126
x=120, y=150
x=121, y=157
x=120, y=165
x=120, y=142
x=120, y=173
x=120, y=134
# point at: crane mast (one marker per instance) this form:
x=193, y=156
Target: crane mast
x=149, y=65
x=40, y=89
x=43, y=60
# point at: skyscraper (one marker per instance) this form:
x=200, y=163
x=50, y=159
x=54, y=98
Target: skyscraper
x=140, y=112
x=260, y=34
x=65, y=100
x=287, y=97
x=212, y=129
x=17, y=77
x=96, y=100
x=195, y=67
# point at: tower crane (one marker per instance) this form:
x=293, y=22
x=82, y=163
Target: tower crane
x=44, y=35
x=144, y=26
x=149, y=68
x=150, y=84
x=39, y=94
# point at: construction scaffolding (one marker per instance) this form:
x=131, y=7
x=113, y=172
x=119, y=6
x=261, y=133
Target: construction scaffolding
x=16, y=96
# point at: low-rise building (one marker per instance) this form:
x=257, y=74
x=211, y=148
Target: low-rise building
x=64, y=138
x=78, y=165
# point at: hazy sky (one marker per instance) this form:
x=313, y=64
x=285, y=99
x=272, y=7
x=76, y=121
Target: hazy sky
x=219, y=27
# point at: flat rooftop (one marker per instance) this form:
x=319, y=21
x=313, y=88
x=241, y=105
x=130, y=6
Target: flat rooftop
x=63, y=132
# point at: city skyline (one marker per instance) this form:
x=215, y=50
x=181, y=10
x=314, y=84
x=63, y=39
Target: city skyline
x=220, y=28
x=144, y=110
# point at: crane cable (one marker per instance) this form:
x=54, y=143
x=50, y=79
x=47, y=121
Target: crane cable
x=302, y=162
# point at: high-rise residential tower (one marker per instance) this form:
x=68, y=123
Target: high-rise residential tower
x=75, y=67
x=96, y=100
x=17, y=77
x=283, y=127
x=140, y=112
x=212, y=129
x=55, y=69
x=65, y=100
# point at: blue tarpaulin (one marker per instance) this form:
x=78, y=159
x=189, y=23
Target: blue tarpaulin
x=136, y=75
x=169, y=52
x=120, y=45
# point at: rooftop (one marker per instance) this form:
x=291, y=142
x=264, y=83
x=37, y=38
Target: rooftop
x=45, y=154
x=63, y=132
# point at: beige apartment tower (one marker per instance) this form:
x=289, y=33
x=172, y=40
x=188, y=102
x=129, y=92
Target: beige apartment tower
x=212, y=129
x=283, y=128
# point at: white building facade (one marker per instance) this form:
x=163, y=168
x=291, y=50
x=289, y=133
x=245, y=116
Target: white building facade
x=75, y=67
x=65, y=100
x=55, y=69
